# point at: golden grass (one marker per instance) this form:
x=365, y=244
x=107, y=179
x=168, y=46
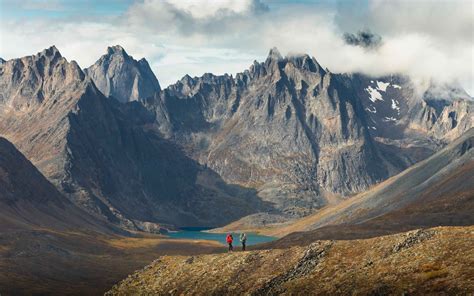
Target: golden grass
x=434, y=274
x=137, y=243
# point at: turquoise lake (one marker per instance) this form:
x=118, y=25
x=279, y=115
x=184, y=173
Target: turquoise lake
x=252, y=238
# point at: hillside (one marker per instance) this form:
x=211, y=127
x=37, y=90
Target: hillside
x=436, y=191
x=28, y=200
x=420, y=262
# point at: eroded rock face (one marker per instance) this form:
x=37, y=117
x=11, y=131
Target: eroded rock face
x=118, y=75
x=106, y=156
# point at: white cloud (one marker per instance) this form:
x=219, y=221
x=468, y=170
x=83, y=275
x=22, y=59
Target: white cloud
x=425, y=39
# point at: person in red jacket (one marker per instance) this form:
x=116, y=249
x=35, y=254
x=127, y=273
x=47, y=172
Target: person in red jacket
x=229, y=239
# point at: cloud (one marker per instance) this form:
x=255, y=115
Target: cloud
x=365, y=39
x=424, y=39
x=187, y=18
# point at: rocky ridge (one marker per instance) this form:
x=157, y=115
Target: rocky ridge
x=118, y=75
x=29, y=201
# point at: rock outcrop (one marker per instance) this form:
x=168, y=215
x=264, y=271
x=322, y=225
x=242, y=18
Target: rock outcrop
x=118, y=75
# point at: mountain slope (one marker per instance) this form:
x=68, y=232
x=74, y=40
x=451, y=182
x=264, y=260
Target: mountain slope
x=106, y=156
x=29, y=201
x=436, y=191
x=118, y=75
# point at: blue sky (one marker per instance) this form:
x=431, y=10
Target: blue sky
x=62, y=8
x=424, y=39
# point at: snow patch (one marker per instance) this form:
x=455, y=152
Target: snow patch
x=395, y=105
x=370, y=110
x=386, y=119
x=373, y=127
x=382, y=86
x=396, y=86
x=374, y=95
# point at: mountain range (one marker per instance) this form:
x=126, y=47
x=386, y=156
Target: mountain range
x=92, y=159
x=103, y=155
x=285, y=137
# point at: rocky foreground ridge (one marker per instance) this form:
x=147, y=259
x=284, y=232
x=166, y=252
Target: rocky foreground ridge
x=420, y=262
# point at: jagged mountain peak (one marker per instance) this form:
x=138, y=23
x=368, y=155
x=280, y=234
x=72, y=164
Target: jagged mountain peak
x=305, y=62
x=52, y=51
x=116, y=49
x=117, y=74
x=38, y=80
x=300, y=60
x=274, y=54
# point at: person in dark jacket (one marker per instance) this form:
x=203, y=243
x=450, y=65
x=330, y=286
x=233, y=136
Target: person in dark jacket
x=229, y=239
x=243, y=240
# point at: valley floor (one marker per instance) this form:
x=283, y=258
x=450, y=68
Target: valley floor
x=44, y=262
x=419, y=262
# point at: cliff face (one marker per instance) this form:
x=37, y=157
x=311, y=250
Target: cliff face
x=286, y=127
x=104, y=155
x=118, y=75
x=435, y=191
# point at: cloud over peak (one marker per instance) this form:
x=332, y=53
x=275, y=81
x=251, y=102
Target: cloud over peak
x=424, y=39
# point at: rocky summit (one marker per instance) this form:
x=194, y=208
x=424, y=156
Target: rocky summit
x=118, y=75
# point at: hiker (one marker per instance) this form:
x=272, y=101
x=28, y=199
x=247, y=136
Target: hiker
x=229, y=240
x=243, y=240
